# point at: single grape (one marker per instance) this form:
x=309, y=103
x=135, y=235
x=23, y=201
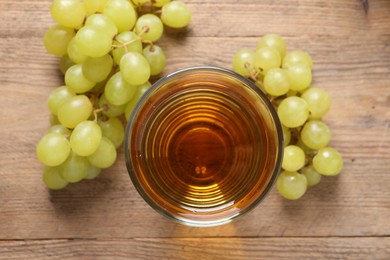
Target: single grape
x=97, y=69
x=273, y=41
x=74, y=52
x=117, y=91
x=53, y=149
x=276, y=82
x=75, y=168
x=109, y=109
x=156, y=58
x=59, y=129
x=300, y=77
x=94, y=6
x=293, y=112
x=243, y=62
x=318, y=102
x=85, y=138
x=103, y=22
x=267, y=58
x=149, y=27
x=312, y=176
x=93, y=41
x=293, y=159
x=65, y=63
x=286, y=135
x=293, y=58
x=52, y=178
x=113, y=129
x=315, y=134
x=133, y=102
x=57, y=38
x=92, y=172
x=74, y=111
x=328, y=161
x=105, y=155
x=134, y=68
x=291, y=185
x=129, y=42
x=58, y=97
x=76, y=81
x=122, y=13
x=69, y=13
x=176, y=14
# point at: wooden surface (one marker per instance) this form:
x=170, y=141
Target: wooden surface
x=344, y=217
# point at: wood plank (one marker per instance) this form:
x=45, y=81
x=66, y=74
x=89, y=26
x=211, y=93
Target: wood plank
x=202, y=248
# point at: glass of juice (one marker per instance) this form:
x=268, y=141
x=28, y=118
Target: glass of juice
x=203, y=146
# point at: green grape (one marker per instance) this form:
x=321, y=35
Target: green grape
x=132, y=43
x=58, y=97
x=328, y=161
x=97, y=69
x=57, y=38
x=135, y=69
x=85, y=138
x=105, y=155
x=103, y=22
x=156, y=58
x=76, y=81
x=113, y=129
x=243, y=62
x=52, y=178
x=122, y=13
x=176, y=14
x=160, y=3
x=267, y=58
x=65, y=63
x=286, y=135
x=59, y=129
x=53, y=149
x=276, y=82
x=54, y=120
x=94, y=6
x=133, y=102
x=117, y=91
x=300, y=77
x=293, y=112
x=312, y=176
x=273, y=41
x=74, y=52
x=315, y=134
x=74, y=111
x=293, y=159
x=150, y=26
x=75, y=168
x=291, y=185
x=293, y=58
x=318, y=102
x=92, y=172
x=109, y=109
x=69, y=13
x=93, y=41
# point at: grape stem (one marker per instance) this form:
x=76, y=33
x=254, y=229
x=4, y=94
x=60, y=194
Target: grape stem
x=95, y=112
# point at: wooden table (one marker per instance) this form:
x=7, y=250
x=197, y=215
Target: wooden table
x=344, y=217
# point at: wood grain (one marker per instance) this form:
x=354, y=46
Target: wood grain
x=344, y=217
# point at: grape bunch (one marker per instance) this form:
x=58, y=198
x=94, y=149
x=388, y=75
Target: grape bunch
x=108, y=55
x=286, y=78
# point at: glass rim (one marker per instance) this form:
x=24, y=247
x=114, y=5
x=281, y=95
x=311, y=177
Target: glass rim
x=138, y=185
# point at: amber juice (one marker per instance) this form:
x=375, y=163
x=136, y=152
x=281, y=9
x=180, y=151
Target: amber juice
x=203, y=146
